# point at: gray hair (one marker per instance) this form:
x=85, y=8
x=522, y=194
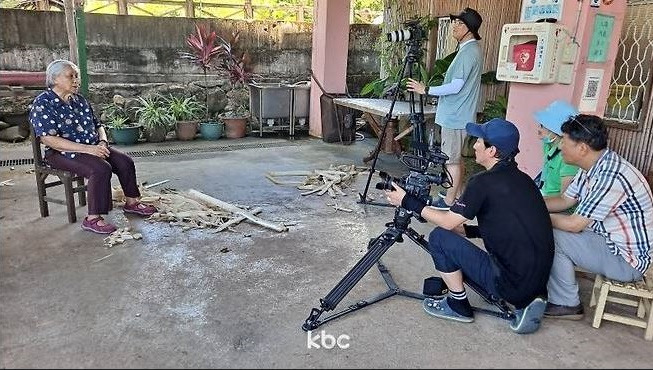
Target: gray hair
x=55, y=68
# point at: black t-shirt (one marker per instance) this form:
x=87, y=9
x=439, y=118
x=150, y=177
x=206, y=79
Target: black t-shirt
x=516, y=229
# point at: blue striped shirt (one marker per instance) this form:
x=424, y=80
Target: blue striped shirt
x=615, y=195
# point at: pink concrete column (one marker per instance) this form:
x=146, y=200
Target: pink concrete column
x=329, y=57
x=525, y=99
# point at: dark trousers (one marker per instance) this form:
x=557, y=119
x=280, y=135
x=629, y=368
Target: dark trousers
x=452, y=252
x=98, y=172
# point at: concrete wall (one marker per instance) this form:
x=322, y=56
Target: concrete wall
x=135, y=49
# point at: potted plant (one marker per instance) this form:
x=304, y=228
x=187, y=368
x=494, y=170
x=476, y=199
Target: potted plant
x=155, y=117
x=236, y=113
x=204, y=51
x=233, y=66
x=115, y=117
x=186, y=112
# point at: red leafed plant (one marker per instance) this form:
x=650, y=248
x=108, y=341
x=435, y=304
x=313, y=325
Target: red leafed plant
x=203, y=46
x=231, y=64
x=204, y=50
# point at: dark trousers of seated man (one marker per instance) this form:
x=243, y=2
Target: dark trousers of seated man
x=452, y=252
x=98, y=171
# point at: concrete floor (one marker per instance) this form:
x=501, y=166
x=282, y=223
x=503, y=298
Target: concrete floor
x=173, y=300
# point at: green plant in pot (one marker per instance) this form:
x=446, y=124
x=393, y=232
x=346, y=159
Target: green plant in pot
x=155, y=117
x=115, y=117
x=187, y=111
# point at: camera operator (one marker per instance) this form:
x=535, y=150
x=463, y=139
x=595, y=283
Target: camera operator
x=512, y=221
x=458, y=97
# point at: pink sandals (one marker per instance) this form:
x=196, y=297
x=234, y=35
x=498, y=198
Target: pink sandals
x=139, y=209
x=92, y=226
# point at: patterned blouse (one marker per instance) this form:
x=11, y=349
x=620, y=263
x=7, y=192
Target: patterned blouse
x=74, y=121
x=615, y=195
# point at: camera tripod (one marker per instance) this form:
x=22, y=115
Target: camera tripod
x=416, y=119
x=375, y=250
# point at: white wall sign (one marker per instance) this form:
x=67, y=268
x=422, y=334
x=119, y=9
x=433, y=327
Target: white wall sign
x=532, y=10
x=591, y=90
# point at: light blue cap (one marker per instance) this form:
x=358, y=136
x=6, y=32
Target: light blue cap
x=553, y=116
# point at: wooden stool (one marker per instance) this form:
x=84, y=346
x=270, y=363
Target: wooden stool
x=636, y=294
x=42, y=170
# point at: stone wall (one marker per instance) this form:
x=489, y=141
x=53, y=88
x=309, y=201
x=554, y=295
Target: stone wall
x=134, y=55
x=136, y=49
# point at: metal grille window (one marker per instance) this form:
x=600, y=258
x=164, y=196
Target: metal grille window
x=632, y=79
x=446, y=44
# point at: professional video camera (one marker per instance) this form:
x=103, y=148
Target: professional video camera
x=413, y=31
x=425, y=170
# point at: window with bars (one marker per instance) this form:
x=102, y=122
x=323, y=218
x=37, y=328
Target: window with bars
x=632, y=80
x=446, y=44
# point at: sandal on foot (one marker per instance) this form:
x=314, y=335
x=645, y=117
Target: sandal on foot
x=93, y=226
x=139, y=209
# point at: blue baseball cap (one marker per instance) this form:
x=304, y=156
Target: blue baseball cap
x=554, y=115
x=498, y=132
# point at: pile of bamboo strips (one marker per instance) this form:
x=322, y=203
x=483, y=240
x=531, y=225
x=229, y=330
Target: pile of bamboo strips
x=320, y=182
x=195, y=210
x=120, y=235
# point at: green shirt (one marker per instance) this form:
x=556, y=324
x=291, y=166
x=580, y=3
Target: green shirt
x=554, y=169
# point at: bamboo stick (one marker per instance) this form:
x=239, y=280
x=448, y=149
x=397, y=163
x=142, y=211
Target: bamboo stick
x=201, y=197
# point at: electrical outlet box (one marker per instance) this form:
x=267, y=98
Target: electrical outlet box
x=569, y=52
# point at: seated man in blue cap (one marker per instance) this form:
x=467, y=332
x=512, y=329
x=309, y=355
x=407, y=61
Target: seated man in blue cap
x=518, y=239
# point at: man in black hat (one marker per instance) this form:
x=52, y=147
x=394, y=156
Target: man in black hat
x=458, y=97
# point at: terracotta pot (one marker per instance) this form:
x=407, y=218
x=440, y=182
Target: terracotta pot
x=235, y=127
x=186, y=130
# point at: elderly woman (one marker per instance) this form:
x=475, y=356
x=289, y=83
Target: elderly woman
x=76, y=141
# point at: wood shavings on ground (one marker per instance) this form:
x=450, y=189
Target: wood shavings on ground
x=120, y=235
x=332, y=180
x=195, y=210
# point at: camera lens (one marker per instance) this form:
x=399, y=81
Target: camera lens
x=399, y=35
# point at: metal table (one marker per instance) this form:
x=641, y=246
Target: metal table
x=380, y=107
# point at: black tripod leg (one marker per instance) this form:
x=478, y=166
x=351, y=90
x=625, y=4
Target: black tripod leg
x=388, y=117
x=376, y=249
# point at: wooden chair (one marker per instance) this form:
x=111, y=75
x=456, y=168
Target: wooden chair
x=636, y=294
x=42, y=170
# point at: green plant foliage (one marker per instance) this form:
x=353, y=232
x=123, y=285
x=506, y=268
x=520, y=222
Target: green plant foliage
x=495, y=108
x=436, y=76
x=152, y=112
x=115, y=115
x=185, y=108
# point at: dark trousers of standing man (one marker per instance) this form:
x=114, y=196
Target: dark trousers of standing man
x=98, y=172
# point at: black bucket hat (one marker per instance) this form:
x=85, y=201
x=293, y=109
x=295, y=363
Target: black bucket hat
x=472, y=20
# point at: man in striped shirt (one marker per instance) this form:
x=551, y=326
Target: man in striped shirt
x=611, y=231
